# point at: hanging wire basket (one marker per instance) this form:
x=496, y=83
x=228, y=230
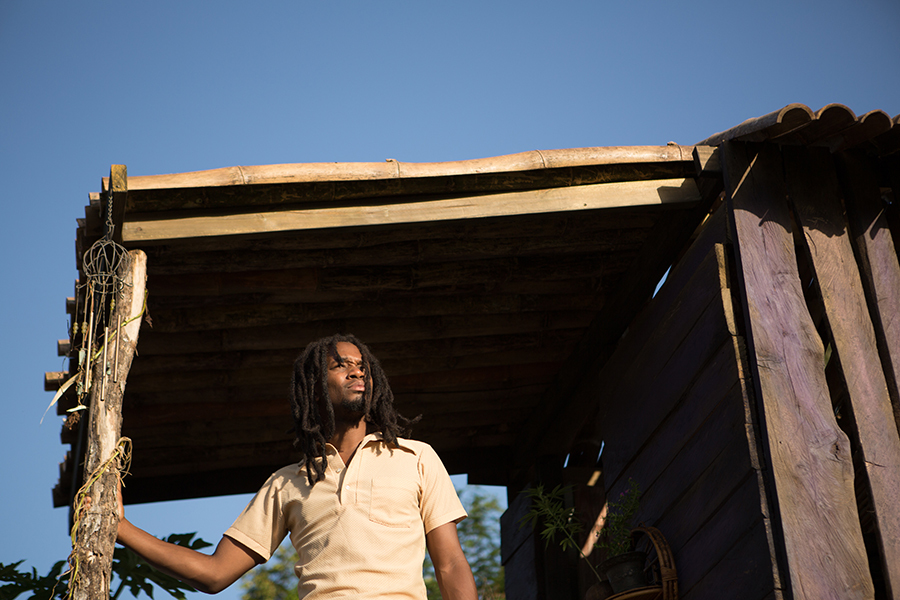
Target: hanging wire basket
x=101, y=265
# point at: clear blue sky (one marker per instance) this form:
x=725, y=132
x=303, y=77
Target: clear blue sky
x=167, y=86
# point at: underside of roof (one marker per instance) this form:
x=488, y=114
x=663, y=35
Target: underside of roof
x=489, y=289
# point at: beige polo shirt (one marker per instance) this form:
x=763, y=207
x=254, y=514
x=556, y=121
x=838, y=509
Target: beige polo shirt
x=360, y=532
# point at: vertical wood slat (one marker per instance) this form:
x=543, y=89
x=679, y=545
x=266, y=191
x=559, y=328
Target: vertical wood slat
x=810, y=456
x=877, y=255
x=96, y=534
x=813, y=188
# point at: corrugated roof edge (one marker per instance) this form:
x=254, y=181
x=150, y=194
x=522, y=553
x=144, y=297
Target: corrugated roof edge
x=392, y=169
x=834, y=125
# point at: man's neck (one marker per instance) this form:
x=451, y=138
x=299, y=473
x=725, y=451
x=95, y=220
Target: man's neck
x=347, y=437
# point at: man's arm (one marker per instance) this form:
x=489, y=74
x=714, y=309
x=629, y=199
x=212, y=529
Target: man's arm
x=208, y=573
x=453, y=573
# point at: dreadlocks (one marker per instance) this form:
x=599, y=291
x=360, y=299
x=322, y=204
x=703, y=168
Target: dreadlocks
x=310, y=383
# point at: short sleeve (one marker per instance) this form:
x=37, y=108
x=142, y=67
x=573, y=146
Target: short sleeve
x=440, y=503
x=262, y=525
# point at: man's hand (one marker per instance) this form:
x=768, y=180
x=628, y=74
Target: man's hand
x=451, y=568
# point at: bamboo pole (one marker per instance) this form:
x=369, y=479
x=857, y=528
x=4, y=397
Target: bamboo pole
x=95, y=529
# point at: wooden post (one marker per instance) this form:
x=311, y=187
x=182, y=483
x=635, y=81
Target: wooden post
x=95, y=536
x=808, y=453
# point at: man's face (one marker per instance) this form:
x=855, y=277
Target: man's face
x=347, y=381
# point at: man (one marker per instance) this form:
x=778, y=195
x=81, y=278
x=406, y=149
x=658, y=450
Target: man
x=360, y=507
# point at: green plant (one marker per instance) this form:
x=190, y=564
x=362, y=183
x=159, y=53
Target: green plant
x=615, y=536
x=137, y=576
x=548, y=509
x=133, y=574
x=42, y=587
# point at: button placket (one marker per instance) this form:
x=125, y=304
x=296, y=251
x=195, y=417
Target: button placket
x=351, y=487
x=340, y=471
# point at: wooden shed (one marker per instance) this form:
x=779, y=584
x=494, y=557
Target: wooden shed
x=511, y=301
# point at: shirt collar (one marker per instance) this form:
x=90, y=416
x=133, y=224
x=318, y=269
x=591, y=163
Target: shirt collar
x=378, y=437
x=371, y=438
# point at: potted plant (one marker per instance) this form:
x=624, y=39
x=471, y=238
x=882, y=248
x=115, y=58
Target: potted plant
x=624, y=568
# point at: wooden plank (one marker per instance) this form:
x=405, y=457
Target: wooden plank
x=517, y=552
x=725, y=527
x=772, y=565
x=577, y=290
x=263, y=315
x=212, y=432
x=401, y=277
x=809, y=454
x=701, y=478
x=271, y=398
x=371, y=331
x=264, y=259
x=741, y=574
x=576, y=198
x=877, y=253
x=618, y=225
x=272, y=196
x=483, y=407
x=815, y=193
x=656, y=369
x=118, y=189
x=462, y=351
x=414, y=380
x=709, y=171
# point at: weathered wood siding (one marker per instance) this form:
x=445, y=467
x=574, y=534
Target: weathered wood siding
x=820, y=325
x=678, y=419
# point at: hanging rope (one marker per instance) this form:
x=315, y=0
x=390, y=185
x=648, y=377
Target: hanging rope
x=118, y=463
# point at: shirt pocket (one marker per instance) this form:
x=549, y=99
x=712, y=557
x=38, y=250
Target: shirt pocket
x=395, y=502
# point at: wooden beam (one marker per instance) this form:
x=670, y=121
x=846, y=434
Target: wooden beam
x=340, y=173
x=618, y=226
x=95, y=536
x=54, y=379
x=118, y=190
x=809, y=454
x=575, y=198
x=396, y=357
x=441, y=243
x=815, y=193
x=401, y=277
x=214, y=317
x=371, y=330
